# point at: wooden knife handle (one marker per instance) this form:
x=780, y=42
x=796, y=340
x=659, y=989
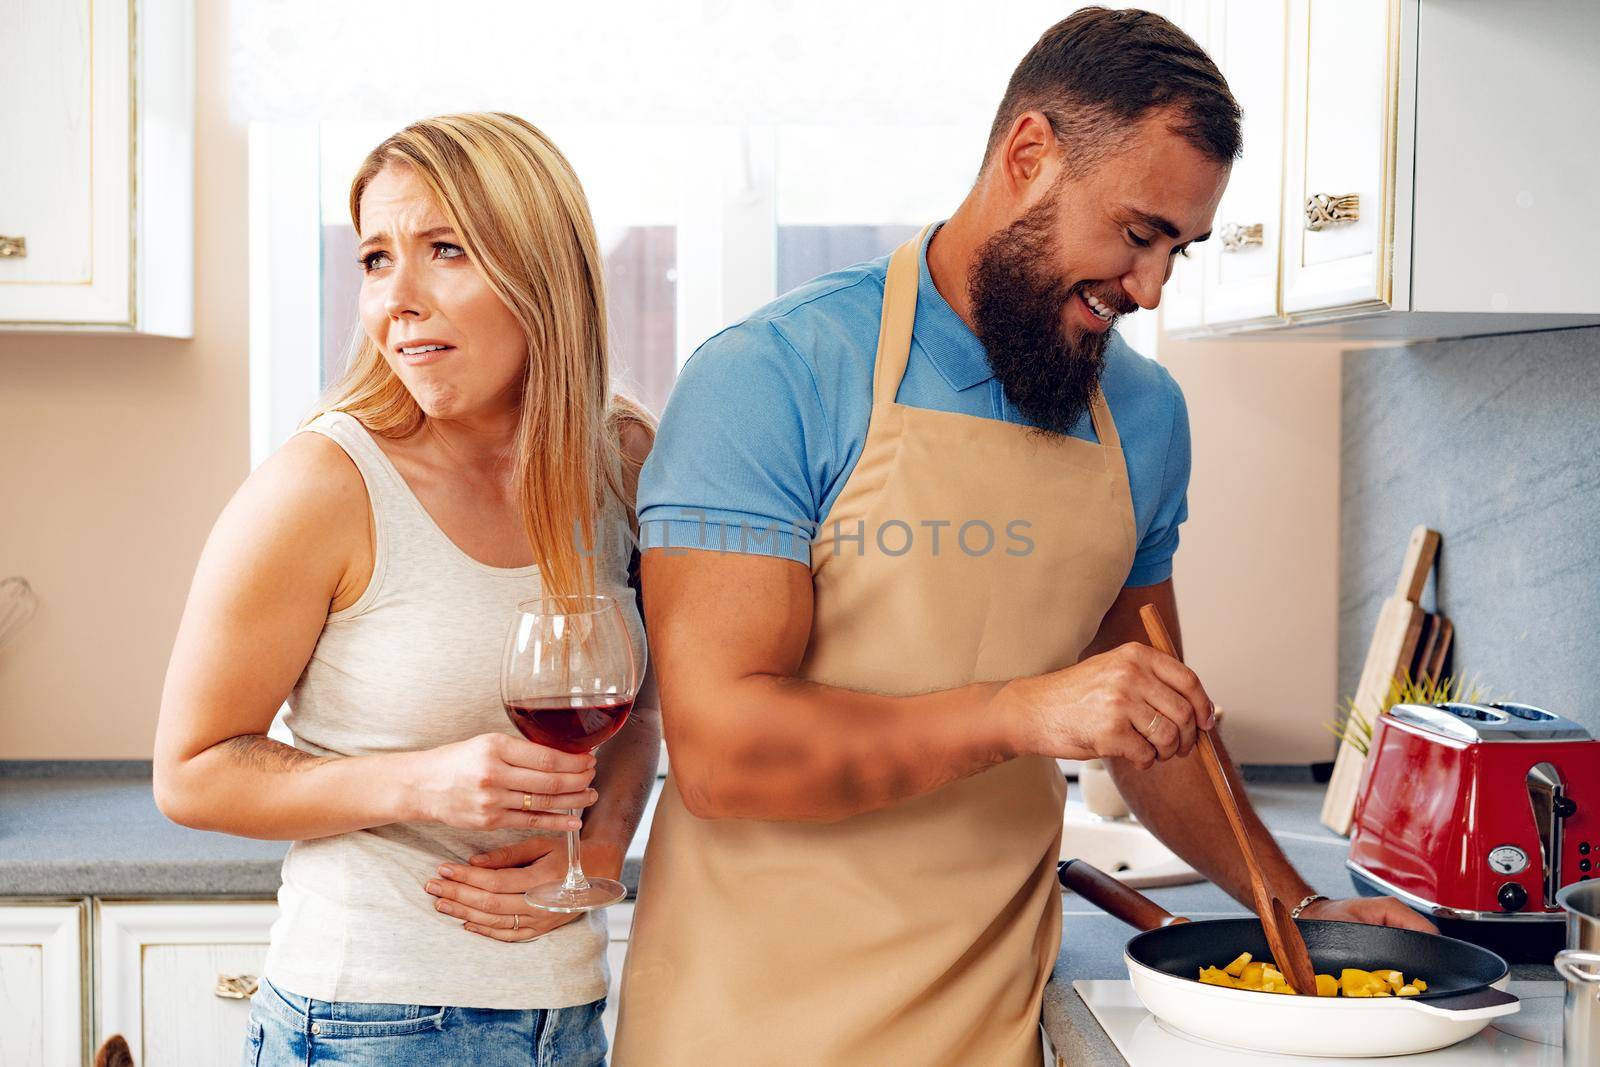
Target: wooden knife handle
x=1114, y=898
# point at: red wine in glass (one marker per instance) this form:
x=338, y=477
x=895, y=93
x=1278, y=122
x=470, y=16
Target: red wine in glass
x=574, y=723
x=568, y=681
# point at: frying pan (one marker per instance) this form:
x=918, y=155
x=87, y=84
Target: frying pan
x=1466, y=984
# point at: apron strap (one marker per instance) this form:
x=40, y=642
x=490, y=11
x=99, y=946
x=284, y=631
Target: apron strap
x=1105, y=427
x=899, y=315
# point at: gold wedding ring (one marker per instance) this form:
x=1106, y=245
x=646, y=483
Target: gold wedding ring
x=527, y=802
x=1153, y=720
x=516, y=921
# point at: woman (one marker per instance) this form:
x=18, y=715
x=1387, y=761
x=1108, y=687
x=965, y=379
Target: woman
x=472, y=455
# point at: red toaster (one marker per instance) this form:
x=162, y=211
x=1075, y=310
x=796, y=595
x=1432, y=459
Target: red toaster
x=1477, y=815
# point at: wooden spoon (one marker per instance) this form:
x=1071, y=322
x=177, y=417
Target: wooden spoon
x=1283, y=936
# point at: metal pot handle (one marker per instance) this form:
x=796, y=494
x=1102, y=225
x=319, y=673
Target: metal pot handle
x=1570, y=960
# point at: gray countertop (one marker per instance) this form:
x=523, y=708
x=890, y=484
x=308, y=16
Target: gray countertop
x=88, y=829
x=92, y=829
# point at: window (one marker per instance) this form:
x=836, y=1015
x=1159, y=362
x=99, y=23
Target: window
x=708, y=202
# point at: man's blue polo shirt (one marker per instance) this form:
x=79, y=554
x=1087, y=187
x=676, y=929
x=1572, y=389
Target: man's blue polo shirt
x=769, y=417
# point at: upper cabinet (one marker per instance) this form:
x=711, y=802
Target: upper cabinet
x=1412, y=169
x=1240, y=262
x=97, y=175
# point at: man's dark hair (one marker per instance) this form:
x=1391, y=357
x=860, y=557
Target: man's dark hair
x=1097, y=72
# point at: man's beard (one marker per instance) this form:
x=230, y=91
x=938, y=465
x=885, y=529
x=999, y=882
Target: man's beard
x=1017, y=309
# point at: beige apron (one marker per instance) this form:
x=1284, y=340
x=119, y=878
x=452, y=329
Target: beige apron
x=922, y=933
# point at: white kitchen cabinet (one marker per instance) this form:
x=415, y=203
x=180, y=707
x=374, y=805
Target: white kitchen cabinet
x=165, y=970
x=1239, y=263
x=43, y=983
x=160, y=967
x=1435, y=182
x=1343, y=85
x=97, y=171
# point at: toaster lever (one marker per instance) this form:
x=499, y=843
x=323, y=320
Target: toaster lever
x=1551, y=807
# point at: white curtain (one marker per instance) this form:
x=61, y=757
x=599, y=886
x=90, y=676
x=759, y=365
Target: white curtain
x=834, y=62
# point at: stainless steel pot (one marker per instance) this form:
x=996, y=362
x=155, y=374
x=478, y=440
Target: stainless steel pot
x=1579, y=964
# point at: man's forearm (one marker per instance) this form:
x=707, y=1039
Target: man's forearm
x=1176, y=801
x=766, y=762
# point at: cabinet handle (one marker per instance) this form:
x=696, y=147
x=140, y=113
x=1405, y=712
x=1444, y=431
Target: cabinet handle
x=1236, y=238
x=236, y=986
x=1324, y=210
x=13, y=247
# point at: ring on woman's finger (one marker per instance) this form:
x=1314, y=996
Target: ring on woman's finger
x=527, y=802
x=516, y=921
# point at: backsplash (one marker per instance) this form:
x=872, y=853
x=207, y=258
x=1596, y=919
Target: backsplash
x=1495, y=443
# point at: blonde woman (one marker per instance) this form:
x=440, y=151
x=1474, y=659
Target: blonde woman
x=472, y=455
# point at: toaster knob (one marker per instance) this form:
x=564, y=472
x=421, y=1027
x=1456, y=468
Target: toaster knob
x=1512, y=896
x=1565, y=807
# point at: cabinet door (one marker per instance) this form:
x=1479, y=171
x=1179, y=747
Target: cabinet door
x=1181, y=297
x=1240, y=262
x=66, y=172
x=1343, y=85
x=160, y=968
x=42, y=977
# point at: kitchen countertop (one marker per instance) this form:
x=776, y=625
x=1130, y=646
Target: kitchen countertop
x=75, y=829
x=91, y=828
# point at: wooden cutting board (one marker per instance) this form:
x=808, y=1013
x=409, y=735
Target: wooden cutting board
x=1447, y=632
x=1393, y=647
x=1432, y=648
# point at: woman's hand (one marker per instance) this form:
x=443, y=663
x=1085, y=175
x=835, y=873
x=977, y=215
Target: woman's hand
x=484, y=782
x=1132, y=702
x=487, y=896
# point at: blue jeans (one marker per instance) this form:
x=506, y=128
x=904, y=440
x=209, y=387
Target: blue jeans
x=288, y=1029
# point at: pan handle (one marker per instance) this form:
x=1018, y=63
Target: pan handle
x=1105, y=892
x=1489, y=1003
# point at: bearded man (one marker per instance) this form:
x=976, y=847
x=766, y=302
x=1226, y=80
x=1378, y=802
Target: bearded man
x=899, y=525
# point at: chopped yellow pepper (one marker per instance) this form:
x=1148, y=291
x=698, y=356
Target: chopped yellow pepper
x=1263, y=977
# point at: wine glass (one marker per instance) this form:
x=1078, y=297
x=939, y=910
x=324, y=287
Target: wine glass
x=568, y=680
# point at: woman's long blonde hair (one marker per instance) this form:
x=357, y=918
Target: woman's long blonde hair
x=524, y=222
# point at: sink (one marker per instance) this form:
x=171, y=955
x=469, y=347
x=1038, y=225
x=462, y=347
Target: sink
x=1122, y=848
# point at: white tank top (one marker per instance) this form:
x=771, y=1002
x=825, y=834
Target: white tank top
x=415, y=663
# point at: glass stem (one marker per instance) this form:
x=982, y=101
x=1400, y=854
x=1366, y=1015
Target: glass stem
x=575, y=879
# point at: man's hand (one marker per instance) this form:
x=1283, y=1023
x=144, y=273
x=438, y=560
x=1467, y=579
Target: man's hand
x=1374, y=911
x=487, y=895
x=1131, y=702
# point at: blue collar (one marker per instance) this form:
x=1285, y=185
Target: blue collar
x=954, y=350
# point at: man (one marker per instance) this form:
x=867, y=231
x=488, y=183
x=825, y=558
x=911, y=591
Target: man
x=900, y=524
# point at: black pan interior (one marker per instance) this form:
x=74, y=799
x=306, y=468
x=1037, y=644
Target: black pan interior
x=1447, y=965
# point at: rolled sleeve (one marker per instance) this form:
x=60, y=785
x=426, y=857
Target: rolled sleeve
x=742, y=453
